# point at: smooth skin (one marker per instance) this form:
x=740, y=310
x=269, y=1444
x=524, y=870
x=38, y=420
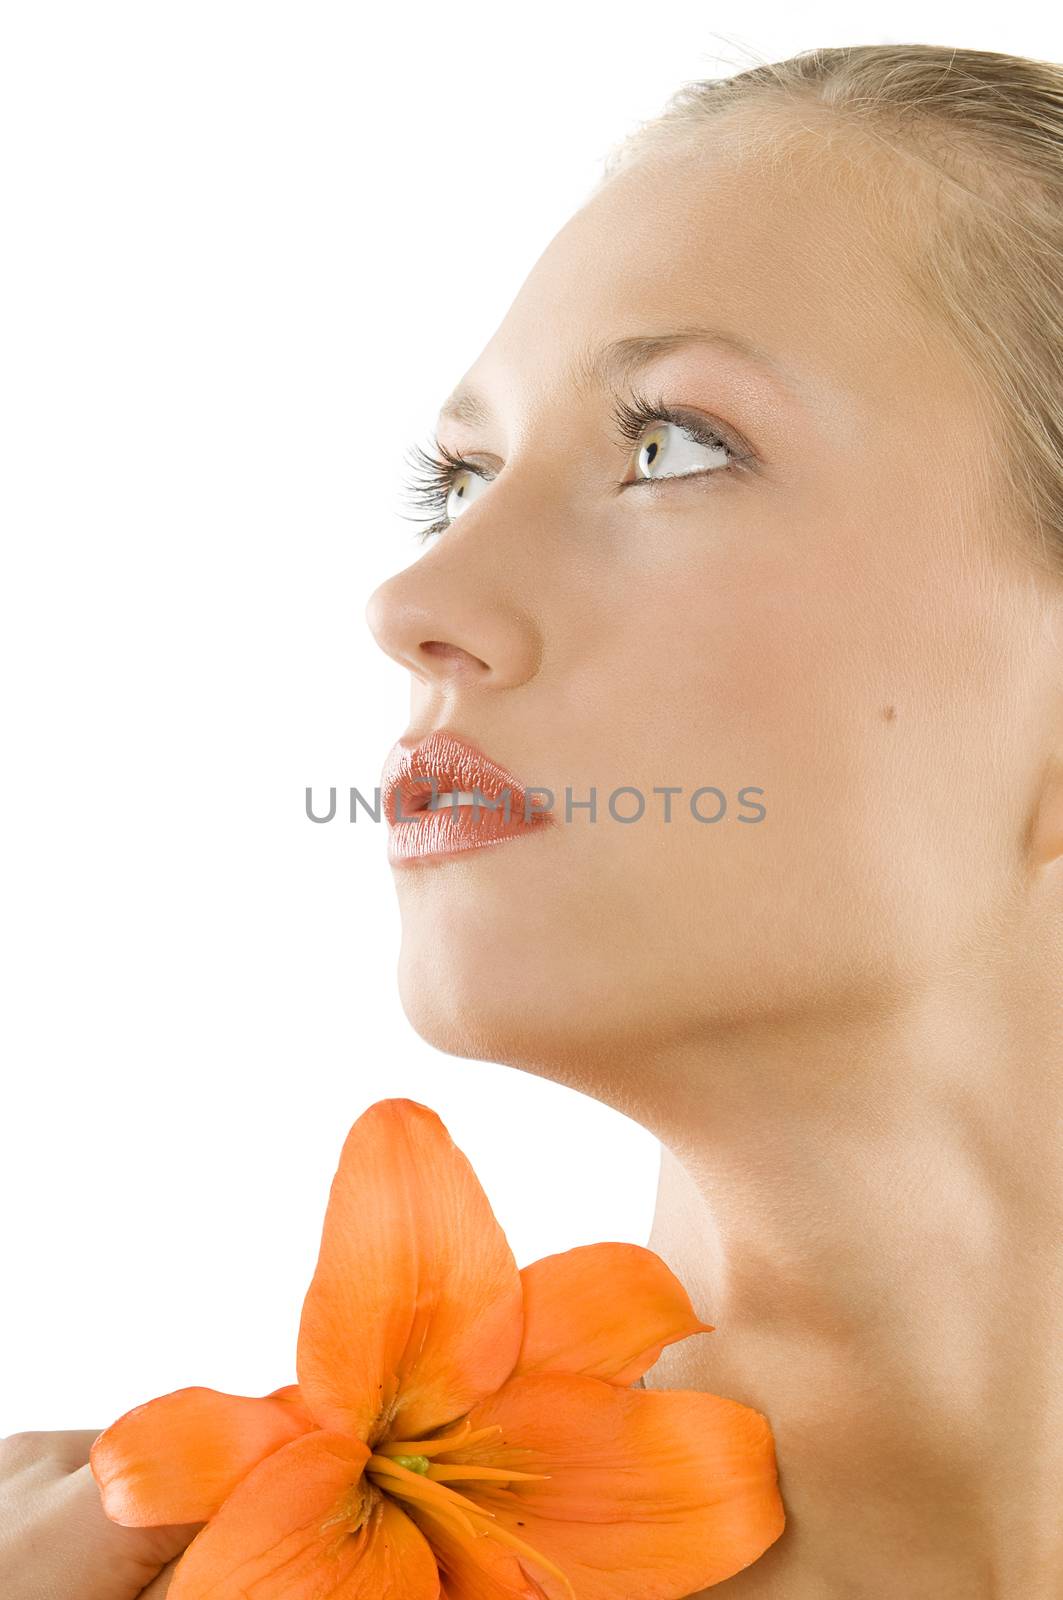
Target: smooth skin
x=844, y=1023
x=56, y=1543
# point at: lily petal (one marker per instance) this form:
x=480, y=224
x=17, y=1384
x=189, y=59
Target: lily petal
x=606, y=1310
x=306, y=1524
x=293, y=1395
x=415, y=1309
x=175, y=1459
x=659, y=1493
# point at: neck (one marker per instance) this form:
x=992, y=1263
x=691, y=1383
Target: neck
x=869, y=1212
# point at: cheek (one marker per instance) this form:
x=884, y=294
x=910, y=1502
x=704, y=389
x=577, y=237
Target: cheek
x=775, y=680
x=784, y=636
x=843, y=669
x=723, y=678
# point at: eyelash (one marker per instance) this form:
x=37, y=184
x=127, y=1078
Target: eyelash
x=430, y=476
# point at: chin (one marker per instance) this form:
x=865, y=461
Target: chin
x=483, y=999
x=479, y=939
x=546, y=1005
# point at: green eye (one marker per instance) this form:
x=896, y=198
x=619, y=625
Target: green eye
x=677, y=441
x=464, y=488
x=673, y=442
x=442, y=484
x=669, y=451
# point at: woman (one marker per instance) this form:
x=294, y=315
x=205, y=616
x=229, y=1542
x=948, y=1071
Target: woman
x=752, y=510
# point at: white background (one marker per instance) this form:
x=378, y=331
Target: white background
x=248, y=249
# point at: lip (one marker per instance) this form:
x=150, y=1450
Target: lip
x=442, y=763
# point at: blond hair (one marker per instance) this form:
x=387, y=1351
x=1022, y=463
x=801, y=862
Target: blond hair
x=985, y=131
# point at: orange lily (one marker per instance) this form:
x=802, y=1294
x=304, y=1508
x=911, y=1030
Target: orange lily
x=461, y=1430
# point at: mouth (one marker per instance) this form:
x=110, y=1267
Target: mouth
x=442, y=796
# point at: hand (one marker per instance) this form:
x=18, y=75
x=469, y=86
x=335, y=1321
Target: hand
x=56, y=1543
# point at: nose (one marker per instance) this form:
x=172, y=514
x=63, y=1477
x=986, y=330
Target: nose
x=444, y=625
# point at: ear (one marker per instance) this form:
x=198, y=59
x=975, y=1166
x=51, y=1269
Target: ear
x=1045, y=843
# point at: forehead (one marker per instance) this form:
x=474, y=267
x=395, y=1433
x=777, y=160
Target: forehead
x=785, y=247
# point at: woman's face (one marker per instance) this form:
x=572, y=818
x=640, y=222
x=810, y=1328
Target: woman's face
x=834, y=627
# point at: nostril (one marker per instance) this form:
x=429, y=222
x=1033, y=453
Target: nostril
x=439, y=650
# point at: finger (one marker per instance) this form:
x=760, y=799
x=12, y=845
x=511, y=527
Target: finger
x=65, y=1451
x=72, y=1448
x=130, y=1557
x=157, y=1588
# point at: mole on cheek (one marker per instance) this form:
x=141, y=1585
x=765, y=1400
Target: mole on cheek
x=889, y=712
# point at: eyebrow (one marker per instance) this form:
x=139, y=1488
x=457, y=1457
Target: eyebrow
x=623, y=359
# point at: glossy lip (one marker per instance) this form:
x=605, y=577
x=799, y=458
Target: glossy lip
x=416, y=833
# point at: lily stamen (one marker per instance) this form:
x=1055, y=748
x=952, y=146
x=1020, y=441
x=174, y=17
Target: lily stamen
x=450, y=1473
x=435, y=1447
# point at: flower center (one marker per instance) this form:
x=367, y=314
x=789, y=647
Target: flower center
x=408, y=1471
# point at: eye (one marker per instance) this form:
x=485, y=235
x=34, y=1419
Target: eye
x=442, y=484
x=667, y=451
x=675, y=442
x=465, y=485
